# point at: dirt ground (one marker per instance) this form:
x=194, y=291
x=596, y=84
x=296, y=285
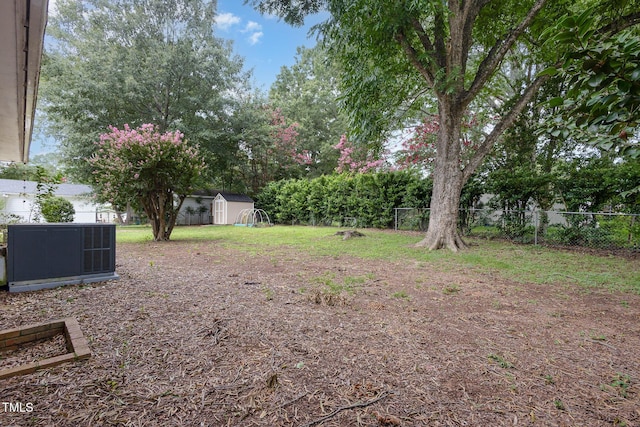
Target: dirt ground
x=194, y=334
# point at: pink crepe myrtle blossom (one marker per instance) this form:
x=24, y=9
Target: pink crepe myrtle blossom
x=285, y=147
x=418, y=150
x=356, y=160
x=147, y=169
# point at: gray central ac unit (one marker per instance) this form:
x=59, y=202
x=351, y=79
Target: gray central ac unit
x=43, y=256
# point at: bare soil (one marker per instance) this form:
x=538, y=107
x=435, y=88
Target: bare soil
x=194, y=334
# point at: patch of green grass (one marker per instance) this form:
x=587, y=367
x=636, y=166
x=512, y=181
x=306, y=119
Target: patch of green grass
x=331, y=285
x=520, y=263
x=353, y=281
x=451, y=289
x=268, y=293
x=400, y=294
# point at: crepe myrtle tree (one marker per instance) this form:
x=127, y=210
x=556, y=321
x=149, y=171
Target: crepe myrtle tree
x=356, y=159
x=152, y=171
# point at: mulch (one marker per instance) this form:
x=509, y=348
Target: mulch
x=196, y=334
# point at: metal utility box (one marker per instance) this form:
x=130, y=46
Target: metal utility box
x=43, y=256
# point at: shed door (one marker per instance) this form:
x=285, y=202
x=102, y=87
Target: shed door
x=219, y=211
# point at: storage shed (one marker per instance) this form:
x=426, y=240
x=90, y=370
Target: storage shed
x=227, y=206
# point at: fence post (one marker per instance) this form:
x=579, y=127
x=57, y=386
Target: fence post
x=395, y=215
x=536, y=224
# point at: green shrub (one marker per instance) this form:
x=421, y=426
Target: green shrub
x=57, y=209
x=366, y=199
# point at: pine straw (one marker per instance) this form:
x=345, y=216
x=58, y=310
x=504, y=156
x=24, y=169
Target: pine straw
x=197, y=335
x=34, y=351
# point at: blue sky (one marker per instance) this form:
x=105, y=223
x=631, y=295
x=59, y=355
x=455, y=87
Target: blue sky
x=265, y=42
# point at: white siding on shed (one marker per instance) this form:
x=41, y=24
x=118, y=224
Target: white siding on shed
x=226, y=211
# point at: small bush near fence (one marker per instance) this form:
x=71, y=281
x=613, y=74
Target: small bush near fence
x=586, y=229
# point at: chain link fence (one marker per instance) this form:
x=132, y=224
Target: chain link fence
x=601, y=230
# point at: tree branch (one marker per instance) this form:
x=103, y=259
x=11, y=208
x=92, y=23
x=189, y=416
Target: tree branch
x=502, y=125
x=343, y=408
x=620, y=24
x=414, y=59
x=426, y=42
x=469, y=13
x=292, y=11
x=439, y=36
x=497, y=54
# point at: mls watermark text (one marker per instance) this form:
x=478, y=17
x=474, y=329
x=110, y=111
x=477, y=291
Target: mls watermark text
x=16, y=407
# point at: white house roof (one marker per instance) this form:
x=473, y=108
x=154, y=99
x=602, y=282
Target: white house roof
x=22, y=24
x=15, y=186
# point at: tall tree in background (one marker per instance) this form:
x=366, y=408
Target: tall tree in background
x=400, y=55
x=307, y=93
x=268, y=147
x=137, y=61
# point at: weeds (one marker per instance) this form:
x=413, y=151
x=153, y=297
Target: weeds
x=501, y=361
x=451, y=289
x=621, y=384
x=268, y=293
x=332, y=292
x=330, y=285
x=353, y=281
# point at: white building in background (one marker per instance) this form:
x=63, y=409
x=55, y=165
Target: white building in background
x=18, y=197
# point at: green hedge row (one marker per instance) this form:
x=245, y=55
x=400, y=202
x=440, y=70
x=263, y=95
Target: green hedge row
x=335, y=199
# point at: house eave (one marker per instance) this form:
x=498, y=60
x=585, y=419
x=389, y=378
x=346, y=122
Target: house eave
x=22, y=27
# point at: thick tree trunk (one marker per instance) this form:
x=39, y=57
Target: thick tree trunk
x=448, y=179
x=443, y=217
x=162, y=214
x=154, y=207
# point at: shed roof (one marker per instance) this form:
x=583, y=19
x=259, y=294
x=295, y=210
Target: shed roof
x=235, y=197
x=16, y=186
x=229, y=197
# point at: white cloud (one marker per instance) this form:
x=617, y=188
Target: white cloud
x=252, y=26
x=224, y=21
x=256, y=32
x=255, y=37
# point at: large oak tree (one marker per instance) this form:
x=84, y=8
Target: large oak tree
x=400, y=56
